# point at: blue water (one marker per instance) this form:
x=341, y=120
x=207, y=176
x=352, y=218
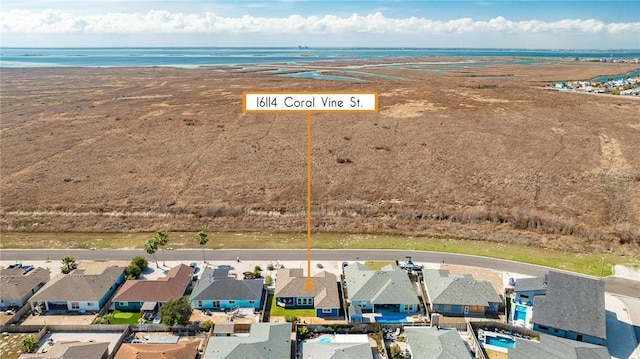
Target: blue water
x=324, y=340
x=631, y=74
x=501, y=342
x=195, y=57
x=319, y=76
x=391, y=319
x=520, y=312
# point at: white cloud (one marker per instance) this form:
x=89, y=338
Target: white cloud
x=165, y=22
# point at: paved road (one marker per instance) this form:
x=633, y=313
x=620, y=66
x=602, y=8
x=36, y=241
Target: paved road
x=621, y=286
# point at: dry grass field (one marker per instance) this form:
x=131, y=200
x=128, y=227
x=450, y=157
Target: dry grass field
x=478, y=153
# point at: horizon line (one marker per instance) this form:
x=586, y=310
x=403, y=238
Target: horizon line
x=306, y=47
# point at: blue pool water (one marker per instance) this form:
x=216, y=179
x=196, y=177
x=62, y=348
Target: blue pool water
x=501, y=342
x=392, y=319
x=520, y=313
x=324, y=340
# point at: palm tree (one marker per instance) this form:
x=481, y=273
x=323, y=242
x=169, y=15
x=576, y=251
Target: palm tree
x=68, y=264
x=151, y=247
x=201, y=239
x=162, y=238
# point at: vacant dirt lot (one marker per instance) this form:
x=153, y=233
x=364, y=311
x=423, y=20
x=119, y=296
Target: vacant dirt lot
x=480, y=152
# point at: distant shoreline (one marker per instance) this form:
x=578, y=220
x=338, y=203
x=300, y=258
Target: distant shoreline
x=224, y=57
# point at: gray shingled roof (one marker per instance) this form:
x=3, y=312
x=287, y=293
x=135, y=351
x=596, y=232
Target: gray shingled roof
x=14, y=284
x=265, y=341
x=336, y=351
x=450, y=289
x=531, y=284
x=431, y=343
x=212, y=287
x=292, y=283
x=71, y=350
x=76, y=286
x=551, y=347
x=572, y=303
x=389, y=285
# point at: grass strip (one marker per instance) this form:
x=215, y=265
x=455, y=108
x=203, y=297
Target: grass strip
x=585, y=263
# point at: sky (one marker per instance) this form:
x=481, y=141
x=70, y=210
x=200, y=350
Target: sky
x=603, y=24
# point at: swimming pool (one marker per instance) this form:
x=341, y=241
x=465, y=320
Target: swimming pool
x=391, y=319
x=520, y=313
x=501, y=342
x=324, y=339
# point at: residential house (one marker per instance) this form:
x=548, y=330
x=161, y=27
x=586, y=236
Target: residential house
x=525, y=290
x=182, y=349
x=573, y=308
x=460, y=295
x=294, y=290
x=550, y=347
x=71, y=350
x=216, y=290
x=150, y=294
x=16, y=287
x=79, y=291
x=386, y=290
x=435, y=343
x=343, y=346
x=265, y=341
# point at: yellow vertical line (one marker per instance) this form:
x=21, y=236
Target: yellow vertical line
x=309, y=195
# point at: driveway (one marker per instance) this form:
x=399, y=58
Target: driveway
x=623, y=286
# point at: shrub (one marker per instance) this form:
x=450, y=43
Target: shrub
x=132, y=272
x=29, y=345
x=141, y=262
x=291, y=318
x=268, y=280
x=207, y=325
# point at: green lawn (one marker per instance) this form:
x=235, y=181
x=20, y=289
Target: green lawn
x=118, y=317
x=276, y=311
x=586, y=263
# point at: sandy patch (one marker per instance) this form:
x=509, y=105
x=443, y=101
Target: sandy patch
x=154, y=113
x=612, y=159
x=92, y=268
x=59, y=319
x=410, y=109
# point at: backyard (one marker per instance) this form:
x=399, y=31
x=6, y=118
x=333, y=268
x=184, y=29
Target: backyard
x=276, y=311
x=10, y=345
x=118, y=317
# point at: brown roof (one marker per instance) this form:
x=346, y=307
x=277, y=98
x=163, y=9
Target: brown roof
x=158, y=290
x=292, y=283
x=182, y=350
x=14, y=284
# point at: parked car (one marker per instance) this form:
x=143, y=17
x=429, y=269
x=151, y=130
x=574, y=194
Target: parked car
x=26, y=269
x=193, y=264
x=156, y=320
x=15, y=265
